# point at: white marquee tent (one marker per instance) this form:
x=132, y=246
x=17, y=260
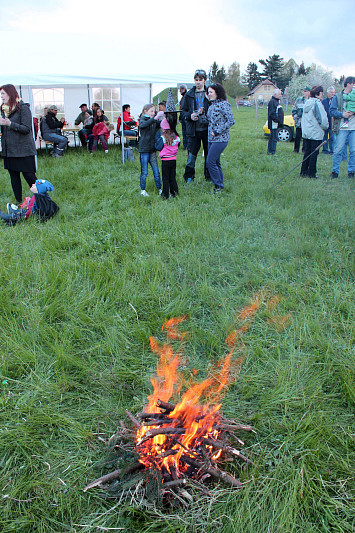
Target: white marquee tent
x=68, y=92
x=75, y=90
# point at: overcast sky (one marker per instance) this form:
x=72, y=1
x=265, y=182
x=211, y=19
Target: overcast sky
x=116, y=37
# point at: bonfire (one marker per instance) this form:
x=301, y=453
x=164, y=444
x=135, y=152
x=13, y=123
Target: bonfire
x=179, y=445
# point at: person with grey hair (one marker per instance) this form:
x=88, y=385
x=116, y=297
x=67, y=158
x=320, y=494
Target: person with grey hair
x=328, y=134
x=275, y=119
x=183, y=91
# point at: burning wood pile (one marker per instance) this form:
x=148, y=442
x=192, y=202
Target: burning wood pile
x=179, y=446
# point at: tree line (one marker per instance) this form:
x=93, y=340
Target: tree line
x=287, y=75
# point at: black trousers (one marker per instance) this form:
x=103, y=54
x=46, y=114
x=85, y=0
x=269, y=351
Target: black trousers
x=193, y=147
x=309, y=166
x=168, y=171
x=298, y=138
x=30, y=177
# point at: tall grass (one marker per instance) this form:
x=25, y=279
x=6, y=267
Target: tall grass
x=82, y=293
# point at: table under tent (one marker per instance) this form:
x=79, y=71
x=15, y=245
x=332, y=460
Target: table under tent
x=69, y=92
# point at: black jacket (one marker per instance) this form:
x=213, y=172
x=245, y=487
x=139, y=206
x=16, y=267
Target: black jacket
x=17, y=139
x=275, y=113
x=53, y=123
x=188, y=107
x=147, y=129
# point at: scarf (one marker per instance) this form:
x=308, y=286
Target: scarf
x=5, y=108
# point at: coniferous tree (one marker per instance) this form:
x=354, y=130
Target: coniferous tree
x=272, y=68
x=216, y=74
x=252, y=76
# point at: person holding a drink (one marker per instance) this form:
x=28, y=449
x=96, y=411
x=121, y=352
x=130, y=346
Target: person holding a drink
x=194, y=111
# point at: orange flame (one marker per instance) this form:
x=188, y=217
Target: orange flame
x=196, y=415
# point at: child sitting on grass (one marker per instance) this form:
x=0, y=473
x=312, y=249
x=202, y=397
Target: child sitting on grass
x=39, y=204
x=167, y=142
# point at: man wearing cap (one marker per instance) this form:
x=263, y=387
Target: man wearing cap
x=194, y=112
x=297, y=112
x=51, y=131
x=83, y=133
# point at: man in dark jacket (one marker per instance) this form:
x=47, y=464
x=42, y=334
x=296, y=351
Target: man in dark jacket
x=194, y=112
x=51, y=131
x=328, y=134
x=275, y=119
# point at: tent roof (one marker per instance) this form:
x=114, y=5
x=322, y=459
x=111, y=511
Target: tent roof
x=42, y=80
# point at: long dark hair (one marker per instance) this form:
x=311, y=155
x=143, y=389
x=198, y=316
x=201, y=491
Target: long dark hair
x=96, y=116
x=219, y=89
x=171, y=134
x=11, y=91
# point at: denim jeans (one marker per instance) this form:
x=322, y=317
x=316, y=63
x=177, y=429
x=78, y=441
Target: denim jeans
x=151, y=158
x=328, y=136
x=59, y=141
x=214, y=164
x=271, y=147
x=343, y=137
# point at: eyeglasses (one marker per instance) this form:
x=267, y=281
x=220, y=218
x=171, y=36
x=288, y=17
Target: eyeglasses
x=201, y=73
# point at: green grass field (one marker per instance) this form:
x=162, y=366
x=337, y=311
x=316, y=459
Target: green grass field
x=81, y=294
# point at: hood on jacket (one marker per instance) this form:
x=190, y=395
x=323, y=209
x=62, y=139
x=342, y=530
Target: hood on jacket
x=309, y=105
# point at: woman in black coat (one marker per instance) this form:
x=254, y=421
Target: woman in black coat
x=17, y=143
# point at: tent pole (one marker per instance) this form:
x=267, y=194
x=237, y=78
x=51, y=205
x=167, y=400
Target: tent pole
x=122, y=137
x=88, y=87
x=32, y=111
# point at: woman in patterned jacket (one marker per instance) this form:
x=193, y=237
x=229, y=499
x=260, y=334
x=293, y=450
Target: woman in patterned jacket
x=220, y=120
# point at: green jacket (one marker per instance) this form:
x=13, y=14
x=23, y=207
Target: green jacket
x=297, y=110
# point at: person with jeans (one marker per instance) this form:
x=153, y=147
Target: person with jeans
x=194, y=112
x=83, y=133
x=51, y=131
x=344, y=135
x=297, y=112
x=328, y=134
x=220, y=120
x=275, y=119
x=149, y=124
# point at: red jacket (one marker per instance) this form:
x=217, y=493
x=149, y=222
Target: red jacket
x=100, y=128
x=126, y=118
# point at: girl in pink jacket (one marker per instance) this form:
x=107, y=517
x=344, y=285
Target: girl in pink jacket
x=100, y=132
x=167, y=142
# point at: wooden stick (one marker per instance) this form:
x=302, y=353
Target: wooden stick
x=144, y=415
x=133, y=419
x=104, y=479
x=167, y=406
x=233, y=427
x=223, y=476
x=158, y=422
x=164, y=431
x=175, y=483
x=222, y=446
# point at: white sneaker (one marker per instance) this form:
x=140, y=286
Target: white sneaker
x=11, y=208
x=144, y=193
x=106, y=151
x=160, y=191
